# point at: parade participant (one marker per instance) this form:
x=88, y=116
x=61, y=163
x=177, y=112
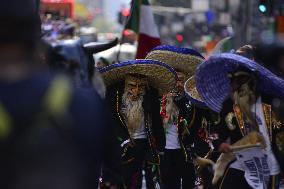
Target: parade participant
x=243, y=91
x=178, y=116
x=204, y=131
x=51, y=134
x=133, y=91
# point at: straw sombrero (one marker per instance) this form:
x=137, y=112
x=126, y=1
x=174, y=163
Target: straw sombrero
x=160, y=75
x=192, y=93
x=213, y=84
x=183, y=59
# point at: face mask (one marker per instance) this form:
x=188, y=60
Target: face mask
x=135, y=87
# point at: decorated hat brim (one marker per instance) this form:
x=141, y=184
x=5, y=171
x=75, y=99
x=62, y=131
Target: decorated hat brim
x=213, y=84
x=185, y=63
x=192, y=93
x=159, y=75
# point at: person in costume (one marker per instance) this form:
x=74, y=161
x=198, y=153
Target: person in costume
x=245, y=93
x=204, y=131
x=133, y=94
x=206, y=124
x=178, y=117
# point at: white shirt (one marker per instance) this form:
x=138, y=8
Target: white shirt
x=140, y=132
x=172, y=141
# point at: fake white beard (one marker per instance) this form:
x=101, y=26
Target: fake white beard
x=245, y=99
x=171, y=111
x=133, y=112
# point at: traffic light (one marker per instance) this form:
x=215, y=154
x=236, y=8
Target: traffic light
x=179, y=38
x=122, y=15
x=266, y=7
x=262, y=6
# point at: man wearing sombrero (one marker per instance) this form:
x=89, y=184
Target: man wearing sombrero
x=246, y=94
x=205, y=127
x=178, y=116
x=133, y=91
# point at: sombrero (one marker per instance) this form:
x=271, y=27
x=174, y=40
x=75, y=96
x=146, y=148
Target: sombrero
x=182, y=59
x=160, y=75
x=213, y=84
x=192, y=93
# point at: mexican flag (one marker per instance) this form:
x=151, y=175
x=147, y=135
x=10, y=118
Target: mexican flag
x=142, y=22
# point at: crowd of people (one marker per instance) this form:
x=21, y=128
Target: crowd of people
x=174, y=117
x=57, y=29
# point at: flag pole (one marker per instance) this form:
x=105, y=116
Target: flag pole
x=138, y=34
x=124, y=26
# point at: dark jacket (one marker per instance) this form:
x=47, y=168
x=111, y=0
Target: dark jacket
x=206, y=124
x=184, y=126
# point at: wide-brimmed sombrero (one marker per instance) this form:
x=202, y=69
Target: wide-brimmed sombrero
x=159, y=75
x=213, y=84
x=183, y=59
x=192, y=93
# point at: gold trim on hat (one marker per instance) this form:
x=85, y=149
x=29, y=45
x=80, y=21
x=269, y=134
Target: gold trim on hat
x=190, y=89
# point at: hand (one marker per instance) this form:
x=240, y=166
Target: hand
x=225, y=148
x=126, y=145
x=129, y=144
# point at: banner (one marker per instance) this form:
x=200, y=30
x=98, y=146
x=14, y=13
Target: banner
x=254, y=162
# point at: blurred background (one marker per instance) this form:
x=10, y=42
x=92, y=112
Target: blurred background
x=199, y=24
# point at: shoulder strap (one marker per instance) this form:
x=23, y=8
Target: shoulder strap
x=58, y=96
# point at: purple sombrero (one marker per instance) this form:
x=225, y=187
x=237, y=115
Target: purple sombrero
x=160, y=75
x=213, y=84
x=182, y=59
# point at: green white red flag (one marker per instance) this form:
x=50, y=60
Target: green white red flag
x=142, y=22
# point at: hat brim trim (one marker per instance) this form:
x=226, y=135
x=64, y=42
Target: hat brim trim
x=192, y=93
x=179, y=50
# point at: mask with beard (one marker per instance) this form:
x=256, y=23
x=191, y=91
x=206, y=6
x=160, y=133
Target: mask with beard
x=132, y=101
x=171, y=111
x=244, y=95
